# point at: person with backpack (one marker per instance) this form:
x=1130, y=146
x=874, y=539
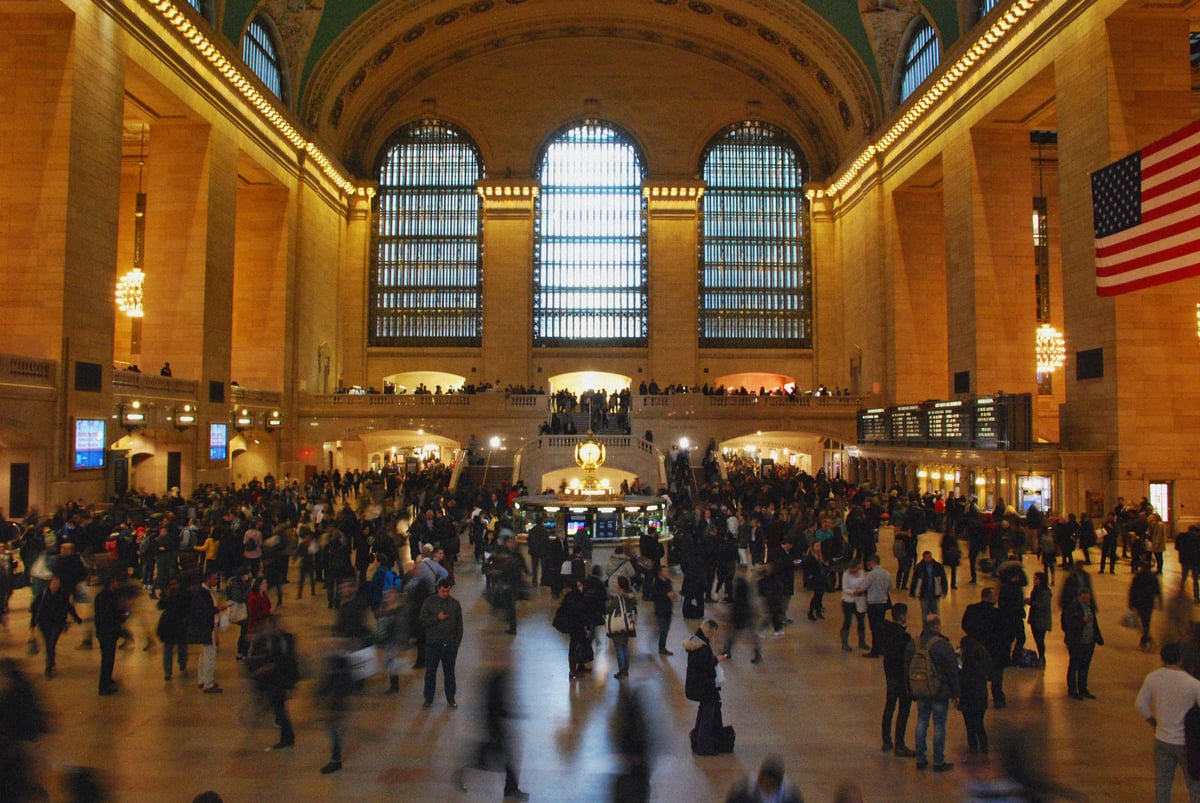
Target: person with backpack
x=934, y=684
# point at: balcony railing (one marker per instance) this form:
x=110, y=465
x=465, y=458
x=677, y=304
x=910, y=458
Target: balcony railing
x=134, y=383
x=29, y=371
x=268, y=398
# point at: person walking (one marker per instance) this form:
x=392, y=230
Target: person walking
x=1166, y=696
x=1041, y=614
x=1145, y=593
x=928, y=584
x=442, y=619
x=1081, y=632
x=620, y=623
x=172, y=631
x=48, y=613
x=111, y=612
x=662, y=594
x=274, y=669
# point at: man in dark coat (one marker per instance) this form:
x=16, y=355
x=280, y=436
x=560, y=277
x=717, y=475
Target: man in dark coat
x=202, y=622
x=1081, y=632
x=110, y=615
x=981, y=621
x=897, y=647
x=558, y=552
x=538, y=544
x=783, y=575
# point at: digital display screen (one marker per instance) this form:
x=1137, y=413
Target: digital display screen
x=575, y=524
x=218, y=441
x=90, y=442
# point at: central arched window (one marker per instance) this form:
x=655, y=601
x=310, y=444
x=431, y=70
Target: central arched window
x=589, y=280
x=921, y=57
x=427, y=279
x=261, y=54
x=755, y=290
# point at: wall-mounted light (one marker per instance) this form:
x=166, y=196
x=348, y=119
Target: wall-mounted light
x=133, y=417
x=274, y=420
x=184, y=417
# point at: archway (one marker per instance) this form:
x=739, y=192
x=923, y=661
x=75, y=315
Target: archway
x=410, y=381
x=756, y=382
x=374, y=449
x=579, y=381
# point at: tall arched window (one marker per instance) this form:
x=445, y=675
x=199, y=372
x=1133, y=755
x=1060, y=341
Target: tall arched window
x=755, y=287
x=261, y=54
x=589, y=280
x=427, y=278
x=921, y=57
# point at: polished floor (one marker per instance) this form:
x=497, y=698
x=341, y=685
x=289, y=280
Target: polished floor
x=808, y=701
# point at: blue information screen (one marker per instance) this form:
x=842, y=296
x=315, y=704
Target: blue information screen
x=218, y=441
x=90, y=442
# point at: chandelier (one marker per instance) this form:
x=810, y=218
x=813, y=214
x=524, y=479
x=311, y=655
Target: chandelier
x=129, y=293
x=129, y=286
x=1050, y=348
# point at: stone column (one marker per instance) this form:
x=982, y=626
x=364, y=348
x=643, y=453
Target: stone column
x=353, y=302
x=1124, y=84
x=989, y=260
x=672, y=208
x=62, y=79
x=508, y=214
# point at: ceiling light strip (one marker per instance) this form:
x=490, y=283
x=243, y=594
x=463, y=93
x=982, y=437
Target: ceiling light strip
x=989, y=39
x=266, y=107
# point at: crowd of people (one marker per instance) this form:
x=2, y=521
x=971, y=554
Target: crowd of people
x=386, y=545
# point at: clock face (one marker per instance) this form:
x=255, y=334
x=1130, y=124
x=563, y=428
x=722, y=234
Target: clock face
x=589, y=453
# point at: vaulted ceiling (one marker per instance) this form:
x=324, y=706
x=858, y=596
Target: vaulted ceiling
x=821, y=69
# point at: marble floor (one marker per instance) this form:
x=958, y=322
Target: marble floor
x=808, y=701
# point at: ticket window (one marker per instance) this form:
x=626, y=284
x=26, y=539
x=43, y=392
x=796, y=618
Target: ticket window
x=1036, y=490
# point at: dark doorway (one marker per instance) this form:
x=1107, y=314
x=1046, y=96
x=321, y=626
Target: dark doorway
x=174, y=470
x=18, y=490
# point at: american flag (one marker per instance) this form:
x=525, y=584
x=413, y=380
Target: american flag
x=1146, y=213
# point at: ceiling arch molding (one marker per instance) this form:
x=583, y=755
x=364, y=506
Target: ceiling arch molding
x=395, y=46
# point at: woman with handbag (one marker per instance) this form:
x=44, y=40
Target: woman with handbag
x=709, y=737
x=621, y=621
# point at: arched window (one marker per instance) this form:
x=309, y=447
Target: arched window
x=261, y=55
x=589, y=276
x=921, y=57
x=427, y=278
x=755, y=287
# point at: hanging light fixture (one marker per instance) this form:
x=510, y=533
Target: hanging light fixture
x=129, y=295
x=1050, y=348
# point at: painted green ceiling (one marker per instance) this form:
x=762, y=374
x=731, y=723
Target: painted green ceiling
x=843, y=15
